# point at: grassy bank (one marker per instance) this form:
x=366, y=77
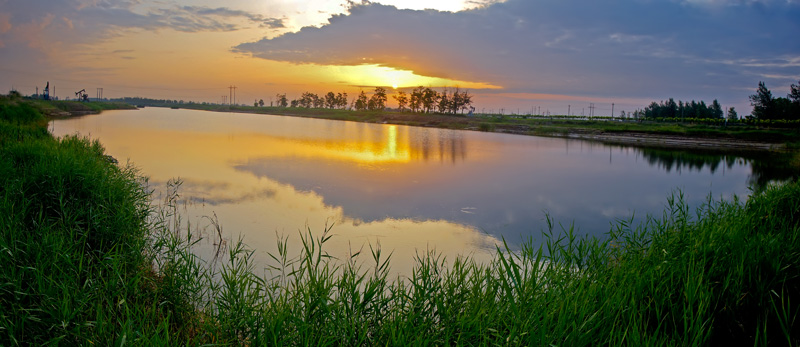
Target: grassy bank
x=62, y=108
x=87, y=260
x=542, y=126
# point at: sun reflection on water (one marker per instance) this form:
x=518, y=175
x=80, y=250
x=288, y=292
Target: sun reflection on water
x=264, y=175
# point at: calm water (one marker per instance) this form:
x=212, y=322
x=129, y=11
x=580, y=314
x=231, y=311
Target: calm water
x=409, y=189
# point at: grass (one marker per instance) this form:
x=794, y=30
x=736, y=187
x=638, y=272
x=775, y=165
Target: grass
x=88, y=260
x=62, y=108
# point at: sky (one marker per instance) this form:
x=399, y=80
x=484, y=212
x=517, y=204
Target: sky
x=518, y=56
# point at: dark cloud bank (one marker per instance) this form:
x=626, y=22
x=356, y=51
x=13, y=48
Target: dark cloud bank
x=630, y=48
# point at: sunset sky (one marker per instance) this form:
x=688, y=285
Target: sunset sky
x=512, y=54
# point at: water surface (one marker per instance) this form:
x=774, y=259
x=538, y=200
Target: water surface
x=410, y=189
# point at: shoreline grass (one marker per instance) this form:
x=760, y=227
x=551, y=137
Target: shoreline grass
x=88, y=260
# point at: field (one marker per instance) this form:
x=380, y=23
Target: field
x=88, y=260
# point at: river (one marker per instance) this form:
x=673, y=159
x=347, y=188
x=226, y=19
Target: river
x=409, y=189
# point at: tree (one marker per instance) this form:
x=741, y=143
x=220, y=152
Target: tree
x=415, y=102
x=378, y=100
x=341, y=100
x=330, y=100
x=255, y=103
x=732, y=116
x=402, y=100
x=261, y=102
x=317, y=101
x=360, y=104
x=461, y=102
x=783, y=109
x=794, y=95
x=443, y=105
x=715, y=110
x=762, y=102
x=282, y=101
x=429, y=99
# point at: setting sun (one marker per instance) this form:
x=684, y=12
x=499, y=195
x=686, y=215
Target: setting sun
x=375, y=75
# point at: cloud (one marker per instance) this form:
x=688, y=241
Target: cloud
x=90, y=21
x=48, y=37
x=624, y=48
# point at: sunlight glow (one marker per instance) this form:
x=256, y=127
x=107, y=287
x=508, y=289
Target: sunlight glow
x=370, y=75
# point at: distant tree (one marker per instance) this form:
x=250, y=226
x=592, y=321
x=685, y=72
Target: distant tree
x=794, y=94
x=716, y=110
x=672, y=109
x=255, y=103
x=341, y=100
x=794, y=97
x=330, y=100
x=317, y=101
x=360, y=104
x=443, y=104
x=261, y=102
x=281, y=100
x=783, y=109
x=429, y=99
x=732, y=115
x=415, y=101
x=622, y=114
x=309, y=100
x=461, y=102
x=762, y=102
x=402, y=100
x=295, y=103
x=378, y=100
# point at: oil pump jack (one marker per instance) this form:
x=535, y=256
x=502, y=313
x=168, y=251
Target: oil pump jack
x=82, y=96
x=46, y=94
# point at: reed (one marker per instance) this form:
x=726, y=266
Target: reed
x=88, y=259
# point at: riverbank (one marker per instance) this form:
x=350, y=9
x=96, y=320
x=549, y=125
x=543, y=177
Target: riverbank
x=55, y=109
x=612, y=131
x=88, y=260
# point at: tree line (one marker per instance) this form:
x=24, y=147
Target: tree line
x=692, y=109
x=767, y=107
x=421, y=99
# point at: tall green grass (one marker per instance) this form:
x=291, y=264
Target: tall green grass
x=87, y=260
x=727, y=273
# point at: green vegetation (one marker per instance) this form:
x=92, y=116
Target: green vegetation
x=55, y=109
x=86, y=260
x=681, y=110
x=766, y=107
x=73, y=241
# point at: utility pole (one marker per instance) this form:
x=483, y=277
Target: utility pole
x=232, y=93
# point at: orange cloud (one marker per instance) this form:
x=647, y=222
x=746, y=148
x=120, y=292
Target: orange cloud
x=5, y=23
